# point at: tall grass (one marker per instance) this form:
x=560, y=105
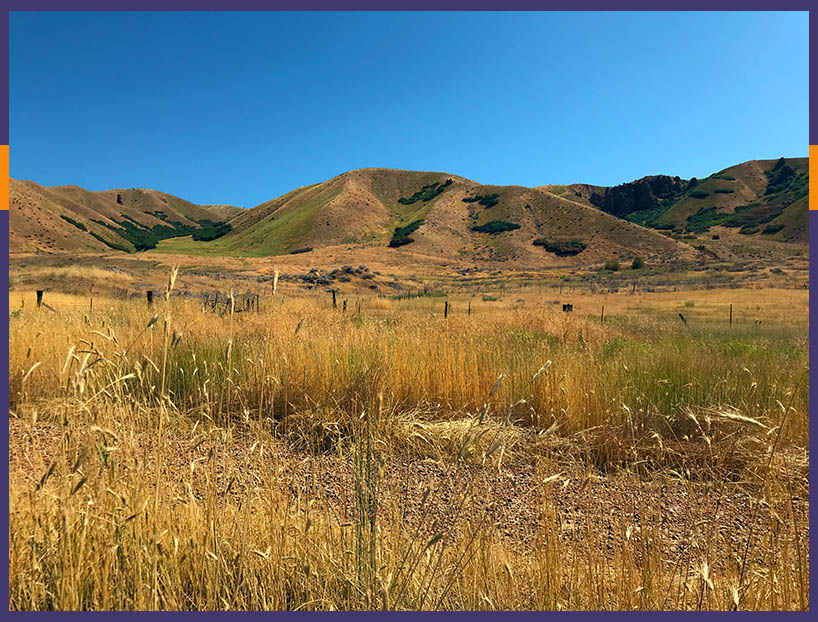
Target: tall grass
x=139, y=500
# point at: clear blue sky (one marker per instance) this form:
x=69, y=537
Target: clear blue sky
x=242, y=107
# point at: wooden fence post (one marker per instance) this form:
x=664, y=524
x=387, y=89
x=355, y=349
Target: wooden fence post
x=731, y=314
x=469, y=313
x=446, y=310
x=602, y=315
x=334, y=303
x=150, y=297
x=39, y=298
x=345, y=306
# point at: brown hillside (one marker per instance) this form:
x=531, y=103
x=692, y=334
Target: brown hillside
x=364, y=207
x=67, y=218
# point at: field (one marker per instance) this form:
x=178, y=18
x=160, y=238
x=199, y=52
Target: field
x=507, y=456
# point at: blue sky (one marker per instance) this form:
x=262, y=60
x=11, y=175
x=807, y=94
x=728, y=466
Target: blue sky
x=242, y=107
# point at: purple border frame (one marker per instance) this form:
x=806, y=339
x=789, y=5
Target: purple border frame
x=428, y=5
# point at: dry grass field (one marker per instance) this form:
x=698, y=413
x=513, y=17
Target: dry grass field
x=508, y=456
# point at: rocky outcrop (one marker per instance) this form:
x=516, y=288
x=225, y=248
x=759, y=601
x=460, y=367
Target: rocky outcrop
x=638, y=195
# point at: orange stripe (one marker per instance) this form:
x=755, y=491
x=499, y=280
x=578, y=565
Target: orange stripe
x=4, y=178
x=813, y=173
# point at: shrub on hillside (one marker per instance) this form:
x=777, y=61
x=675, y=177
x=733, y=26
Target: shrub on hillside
x=638, y=263
x=705, y=218
x=612, y=265
x=779, y=177
x=401, y=235
x=495, y=226
x=771, y=229
x=486, y=200
x=699, y=194
x=426, y=193
x=724, y=191
x=561, y=248
x=78, y=225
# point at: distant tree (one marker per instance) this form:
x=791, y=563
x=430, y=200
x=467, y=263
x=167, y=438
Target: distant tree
x=638, y=263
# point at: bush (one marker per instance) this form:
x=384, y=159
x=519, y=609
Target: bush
x=113, y=245
x=771, y=229
x=211, y=230
x=401, y=235
x=612, y=265
x=78, y=225
x=486, y=200
x=296, y=251
x=724, y=191
x=495, y=226
x=699, y=194
x=562, y=248
x=402, y=240
x=638, y=263
x=426, y=193
x=705, y=218
x=779, y=177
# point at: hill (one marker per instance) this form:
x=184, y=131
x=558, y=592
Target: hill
x=434, y=214
x=761, y=198
x=412, y=217
x=71, y=219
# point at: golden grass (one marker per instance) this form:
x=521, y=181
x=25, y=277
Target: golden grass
x=151, y=445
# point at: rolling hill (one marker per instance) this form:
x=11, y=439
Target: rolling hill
x=434, y=214
x=409, y=215
x=757, y=198
x=71, y=219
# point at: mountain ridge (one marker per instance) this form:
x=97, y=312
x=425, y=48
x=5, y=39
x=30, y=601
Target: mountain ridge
x=427, y=213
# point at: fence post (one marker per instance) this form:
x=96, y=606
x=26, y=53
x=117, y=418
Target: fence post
x=731, y=314
x=446, y=310
x=150, y=297
x=602, y=315
x=345, y=306
x=334, y=303
x=469, y=313
x=39, y=298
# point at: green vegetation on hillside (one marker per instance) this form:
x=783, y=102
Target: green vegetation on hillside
x=562, y=248
x=705, y=218
x=401, y=235
x=426, y=193
x=77, y=224
x=113, y=245
x=486, y=200
x=211, y=230
x=144, y=238
x=495, y=226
